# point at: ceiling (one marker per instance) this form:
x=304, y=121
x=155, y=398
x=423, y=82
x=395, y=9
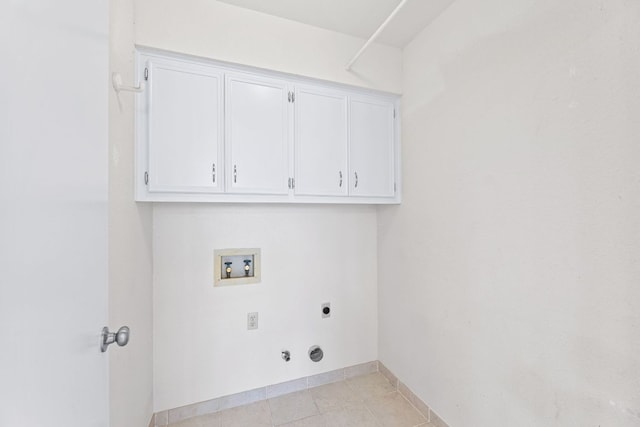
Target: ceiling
x=360, y=18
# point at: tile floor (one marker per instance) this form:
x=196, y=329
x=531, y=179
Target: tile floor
x=365, y=401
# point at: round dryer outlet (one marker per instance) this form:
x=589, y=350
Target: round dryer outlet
x=326, y=310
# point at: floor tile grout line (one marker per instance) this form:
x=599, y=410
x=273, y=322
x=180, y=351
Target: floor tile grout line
x=270, y=412
x=426, y=417
x=406, y=399
x=343, y=378
x=342, y=407
x=314, y=403
x=375, y=418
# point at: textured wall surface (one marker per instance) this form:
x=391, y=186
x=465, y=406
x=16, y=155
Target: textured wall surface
x=229, y=33
x=509, y=275
x=310, y=255
x=130, y=272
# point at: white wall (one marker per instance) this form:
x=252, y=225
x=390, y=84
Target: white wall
x=310, y=255
x=509, y=275
x=217, y=30
x=202, y=349
x=130, y=272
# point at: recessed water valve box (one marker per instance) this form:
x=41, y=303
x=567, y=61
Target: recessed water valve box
x=236, y=266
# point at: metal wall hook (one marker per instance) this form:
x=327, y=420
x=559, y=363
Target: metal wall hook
x=116, y=81
x=121, y=337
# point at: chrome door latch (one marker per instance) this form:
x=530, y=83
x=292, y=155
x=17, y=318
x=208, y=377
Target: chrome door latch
x=121, y=337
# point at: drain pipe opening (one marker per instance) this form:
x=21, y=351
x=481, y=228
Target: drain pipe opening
x=315, y=353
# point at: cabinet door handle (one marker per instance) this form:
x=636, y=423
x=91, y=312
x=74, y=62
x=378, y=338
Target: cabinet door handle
x=340, y=172
x=235, y=174
x=213, y=172
x=356, y=184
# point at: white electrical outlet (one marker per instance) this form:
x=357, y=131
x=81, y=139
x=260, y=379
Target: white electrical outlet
x=252, y=320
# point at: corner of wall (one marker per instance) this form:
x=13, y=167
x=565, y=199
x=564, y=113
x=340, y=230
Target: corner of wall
x=130, y=243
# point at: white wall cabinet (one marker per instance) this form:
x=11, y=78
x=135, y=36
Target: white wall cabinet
x=321, y=142
x=371, y=156
x=257, y=134
x=213, y=132
x=184, y=132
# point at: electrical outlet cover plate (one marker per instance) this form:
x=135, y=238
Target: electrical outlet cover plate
x=252, y=320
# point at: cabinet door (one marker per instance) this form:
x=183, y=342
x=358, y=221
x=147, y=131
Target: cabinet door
x=320, y=142
x=185, y=127
x=257, y=135
x=371, y=147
